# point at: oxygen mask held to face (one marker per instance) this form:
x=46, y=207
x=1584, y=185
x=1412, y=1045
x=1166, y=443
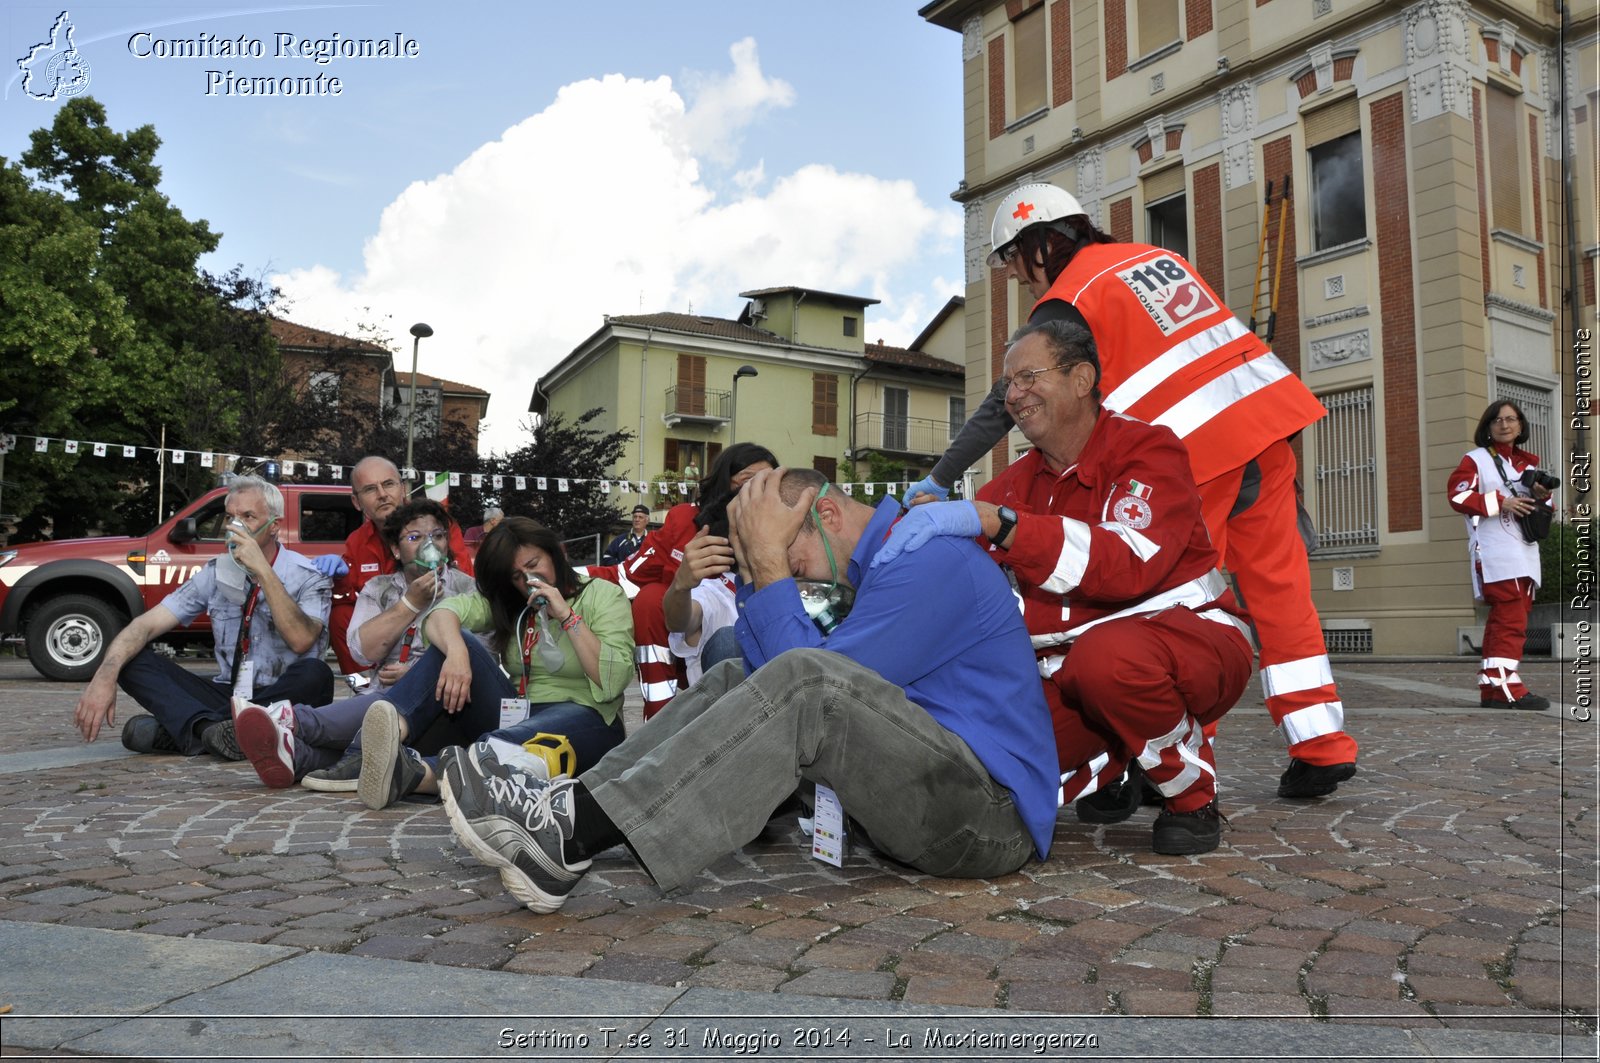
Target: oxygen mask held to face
x=430, y=556
x=231, y=576
x=827, y=602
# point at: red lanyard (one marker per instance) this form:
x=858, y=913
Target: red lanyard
x=405, y=646
x=529, y=640
x=241, y=648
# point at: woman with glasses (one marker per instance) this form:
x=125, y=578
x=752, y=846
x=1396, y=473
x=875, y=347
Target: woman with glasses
x=1490, y=489
x=385, y=633
x=566, y=642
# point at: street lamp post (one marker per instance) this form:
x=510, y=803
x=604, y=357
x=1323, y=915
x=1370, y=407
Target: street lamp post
x=733, y=414
x=418, y=331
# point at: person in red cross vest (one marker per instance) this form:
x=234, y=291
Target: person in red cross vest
x=1174, y=355
x=1488, y=489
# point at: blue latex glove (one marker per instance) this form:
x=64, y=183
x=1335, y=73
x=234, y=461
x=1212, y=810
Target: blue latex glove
x=921, y=523
x=330, y=565
x=927, y=485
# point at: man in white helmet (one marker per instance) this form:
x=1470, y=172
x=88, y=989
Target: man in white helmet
x=1173, y=354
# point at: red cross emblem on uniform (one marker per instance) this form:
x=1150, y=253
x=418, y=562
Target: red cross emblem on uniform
x=1022, y=211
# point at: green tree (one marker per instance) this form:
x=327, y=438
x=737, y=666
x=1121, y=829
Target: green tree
x=572, y=450
x=100, y=304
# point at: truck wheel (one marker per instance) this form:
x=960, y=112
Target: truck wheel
x=67, y=636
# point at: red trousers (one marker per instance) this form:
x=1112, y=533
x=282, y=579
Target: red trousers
x=1145, y=688
x=657, y=667
x=1509, y=601
x=1262, y=549
x=338, y=634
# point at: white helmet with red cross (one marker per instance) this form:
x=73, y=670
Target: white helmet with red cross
x=1028, y=205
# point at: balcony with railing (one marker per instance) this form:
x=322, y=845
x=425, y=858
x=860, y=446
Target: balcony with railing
x=692, y=405
x=904, y=437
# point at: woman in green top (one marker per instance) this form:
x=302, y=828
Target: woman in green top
x=565, y=640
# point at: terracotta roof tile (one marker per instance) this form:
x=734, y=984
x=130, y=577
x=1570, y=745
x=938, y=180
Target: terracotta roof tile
x=289, y=334
x=721, y=327
x=403, y=380
x=900, y=356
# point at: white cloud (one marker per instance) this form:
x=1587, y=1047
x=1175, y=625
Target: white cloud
x=598, y=204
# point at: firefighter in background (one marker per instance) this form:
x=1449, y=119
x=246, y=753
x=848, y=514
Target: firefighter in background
x=1491, y=488
x=1173, y=354
x=653, y=565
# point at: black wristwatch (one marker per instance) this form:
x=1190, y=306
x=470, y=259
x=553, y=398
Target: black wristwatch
x=1008, y=520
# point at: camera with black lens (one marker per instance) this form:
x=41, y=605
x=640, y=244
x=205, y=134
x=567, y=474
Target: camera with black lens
x=1532, y=478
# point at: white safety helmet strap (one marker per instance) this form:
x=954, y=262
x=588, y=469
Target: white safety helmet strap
x=1025, y=206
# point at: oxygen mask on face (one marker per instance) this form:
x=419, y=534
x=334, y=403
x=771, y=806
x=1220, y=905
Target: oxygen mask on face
x=827, y=602
x=231, y=575
x=430, y=556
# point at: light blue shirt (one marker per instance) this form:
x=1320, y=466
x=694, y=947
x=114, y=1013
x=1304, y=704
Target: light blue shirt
x=310, y=589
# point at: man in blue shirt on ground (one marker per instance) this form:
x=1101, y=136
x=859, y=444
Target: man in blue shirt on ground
x=921, y=710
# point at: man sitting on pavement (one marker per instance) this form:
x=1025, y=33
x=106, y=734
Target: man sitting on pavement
x=922, y=711
x=1136, y=631
x=376, y=490
x=623, y=546
x=269, y=611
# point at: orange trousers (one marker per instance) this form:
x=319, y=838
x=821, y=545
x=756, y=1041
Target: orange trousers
x=1261, y=547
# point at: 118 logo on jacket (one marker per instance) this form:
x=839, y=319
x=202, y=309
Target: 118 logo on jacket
x=1169, y=293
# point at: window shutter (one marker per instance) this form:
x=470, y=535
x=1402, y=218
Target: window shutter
x=1335, y=120
x=1168, y=182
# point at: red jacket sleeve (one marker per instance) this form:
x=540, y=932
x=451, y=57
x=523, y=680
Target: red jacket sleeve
x=1467, y=495
x=1147, y=517
x=658, y=557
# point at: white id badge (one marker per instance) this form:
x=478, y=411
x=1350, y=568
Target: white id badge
x=827, y=831
x=513, y=710
x=245, y=686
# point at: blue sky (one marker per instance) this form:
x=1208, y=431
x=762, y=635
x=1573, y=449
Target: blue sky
x=538, y=165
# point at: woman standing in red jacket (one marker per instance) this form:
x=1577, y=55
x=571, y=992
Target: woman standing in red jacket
x=1488, y=488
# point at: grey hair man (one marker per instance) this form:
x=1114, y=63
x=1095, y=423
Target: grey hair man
x=269, y=613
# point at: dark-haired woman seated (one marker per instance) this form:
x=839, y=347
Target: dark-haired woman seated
x=567, y=642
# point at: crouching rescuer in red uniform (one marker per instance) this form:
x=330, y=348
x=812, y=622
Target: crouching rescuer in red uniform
x=1139, y=640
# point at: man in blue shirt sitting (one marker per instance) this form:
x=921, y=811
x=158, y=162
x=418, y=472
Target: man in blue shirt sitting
x=921, y=710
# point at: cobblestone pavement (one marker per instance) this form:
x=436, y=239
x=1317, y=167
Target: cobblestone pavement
x=1451, y=884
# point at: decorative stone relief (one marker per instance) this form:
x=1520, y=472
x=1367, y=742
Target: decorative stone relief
x=1336, y=316
x=1091, y=179
x=1519, y=276
x=974, y=237
x=1158, y=83
x=1322, y=63
x=1321, y=7
x=1436, y=55
x=1156, y=129
x=1333, y=287
x=1341, y=350
x=1238, y=125
x=971, y=38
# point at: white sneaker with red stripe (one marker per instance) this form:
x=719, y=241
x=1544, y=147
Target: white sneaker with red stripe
x=266, y=737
